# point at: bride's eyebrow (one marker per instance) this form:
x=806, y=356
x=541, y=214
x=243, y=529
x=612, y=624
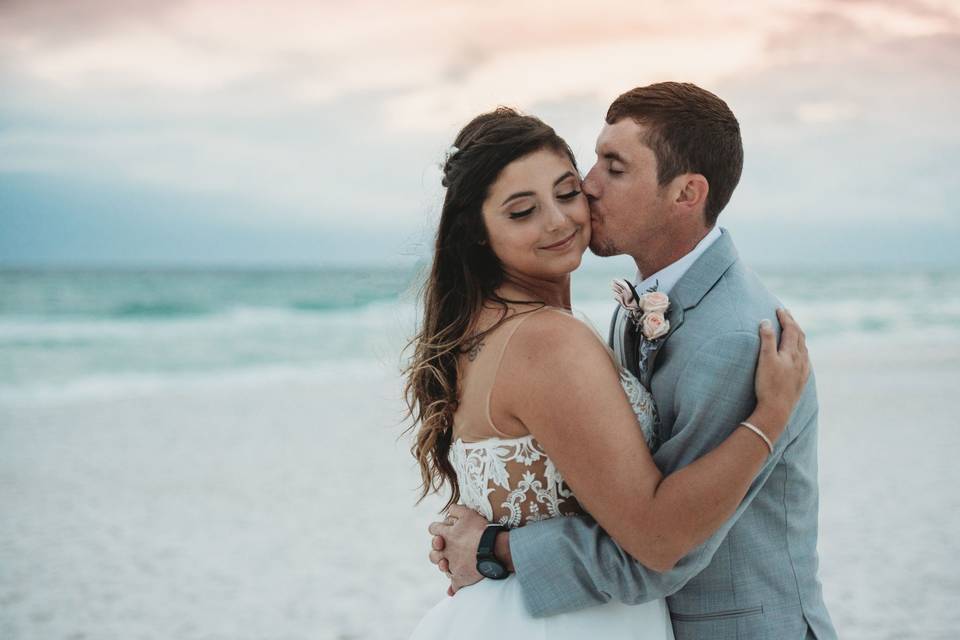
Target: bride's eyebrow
x=521, y=194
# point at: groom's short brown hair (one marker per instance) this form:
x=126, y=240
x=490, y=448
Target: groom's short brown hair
x=690, y=130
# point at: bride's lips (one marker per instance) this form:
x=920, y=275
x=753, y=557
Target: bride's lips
x=563, y=244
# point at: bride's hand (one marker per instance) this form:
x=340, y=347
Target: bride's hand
x=454, y=546
x=782, y=374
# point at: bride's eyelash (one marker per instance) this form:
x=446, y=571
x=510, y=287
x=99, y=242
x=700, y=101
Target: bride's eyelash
x=521, y=214
x=563, y=196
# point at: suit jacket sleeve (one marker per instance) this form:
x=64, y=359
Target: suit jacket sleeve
x=569, y=563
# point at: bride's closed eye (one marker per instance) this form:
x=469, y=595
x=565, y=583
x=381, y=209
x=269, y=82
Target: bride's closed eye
x=514, y=215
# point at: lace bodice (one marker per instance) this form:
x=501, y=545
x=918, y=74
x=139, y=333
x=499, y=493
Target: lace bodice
x=512, y=481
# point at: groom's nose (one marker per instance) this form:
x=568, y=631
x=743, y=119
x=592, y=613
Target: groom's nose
x=590, y=186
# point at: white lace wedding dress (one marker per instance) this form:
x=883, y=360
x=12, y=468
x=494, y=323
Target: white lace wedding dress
x=512, y=481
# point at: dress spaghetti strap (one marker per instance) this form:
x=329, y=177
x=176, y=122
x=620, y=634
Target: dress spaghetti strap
x=473, y=419
x=496, y=367
x=473, y=416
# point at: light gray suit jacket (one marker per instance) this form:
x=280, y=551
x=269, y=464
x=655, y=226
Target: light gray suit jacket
x=756, y=577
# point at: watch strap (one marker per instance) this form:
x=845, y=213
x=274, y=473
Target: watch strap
x=488, y=540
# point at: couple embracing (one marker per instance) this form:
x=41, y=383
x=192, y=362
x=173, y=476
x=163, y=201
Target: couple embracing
x=664, y=486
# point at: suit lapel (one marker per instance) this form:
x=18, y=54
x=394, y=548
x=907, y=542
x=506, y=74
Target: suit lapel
x=690, y=289
x=622, y=341
x=613, y=338
x=631, y=345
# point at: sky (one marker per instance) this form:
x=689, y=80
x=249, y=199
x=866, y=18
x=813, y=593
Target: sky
x=206, y=132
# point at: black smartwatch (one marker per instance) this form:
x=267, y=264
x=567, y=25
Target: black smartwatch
x=487, y=563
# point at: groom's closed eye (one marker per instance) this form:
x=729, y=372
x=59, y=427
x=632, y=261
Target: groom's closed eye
x=615, y=163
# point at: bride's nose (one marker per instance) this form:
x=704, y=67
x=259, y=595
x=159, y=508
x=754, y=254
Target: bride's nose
x=556, y=218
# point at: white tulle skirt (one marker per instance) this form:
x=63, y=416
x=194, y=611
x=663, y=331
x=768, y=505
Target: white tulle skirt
x=494, y=609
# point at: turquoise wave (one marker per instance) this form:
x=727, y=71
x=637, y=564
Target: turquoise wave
x=157, y=310
x=171, y=294
x=59, y=328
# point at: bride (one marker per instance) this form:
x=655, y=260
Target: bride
x=520, y=407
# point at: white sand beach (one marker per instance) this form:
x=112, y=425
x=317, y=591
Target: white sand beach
x=283, y=508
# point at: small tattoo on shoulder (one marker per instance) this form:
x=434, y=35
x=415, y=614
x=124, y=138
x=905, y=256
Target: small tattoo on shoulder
x=474, y=351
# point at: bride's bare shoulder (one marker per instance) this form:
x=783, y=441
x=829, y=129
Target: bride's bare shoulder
x=552, y=334
x=554, y=360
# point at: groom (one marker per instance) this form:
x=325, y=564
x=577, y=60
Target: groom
x=668, y=160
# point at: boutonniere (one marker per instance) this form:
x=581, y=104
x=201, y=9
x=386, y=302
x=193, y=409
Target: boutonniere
x=646, y=310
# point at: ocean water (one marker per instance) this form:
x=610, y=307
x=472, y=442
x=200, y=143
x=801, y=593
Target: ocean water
x=67, y=334
x=75, y=333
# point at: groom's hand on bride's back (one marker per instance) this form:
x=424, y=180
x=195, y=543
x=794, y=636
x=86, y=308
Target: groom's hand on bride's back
x=454, y=546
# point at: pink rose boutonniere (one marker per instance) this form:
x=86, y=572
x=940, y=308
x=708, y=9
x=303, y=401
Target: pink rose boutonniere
x=647, y=311
x=655, y=302
x=654, y=325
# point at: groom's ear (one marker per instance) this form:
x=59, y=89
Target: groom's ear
x=691, y=192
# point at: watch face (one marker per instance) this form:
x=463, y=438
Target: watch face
x=491, y=569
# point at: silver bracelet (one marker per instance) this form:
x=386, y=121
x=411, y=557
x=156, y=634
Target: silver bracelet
x=762, y=435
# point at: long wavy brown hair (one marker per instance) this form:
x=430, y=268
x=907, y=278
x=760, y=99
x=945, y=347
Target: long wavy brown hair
x=464, y=275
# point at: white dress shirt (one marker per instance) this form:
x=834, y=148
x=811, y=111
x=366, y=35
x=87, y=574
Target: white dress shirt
x=667, y=277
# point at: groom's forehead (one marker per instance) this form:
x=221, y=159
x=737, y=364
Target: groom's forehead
x=620, y=138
